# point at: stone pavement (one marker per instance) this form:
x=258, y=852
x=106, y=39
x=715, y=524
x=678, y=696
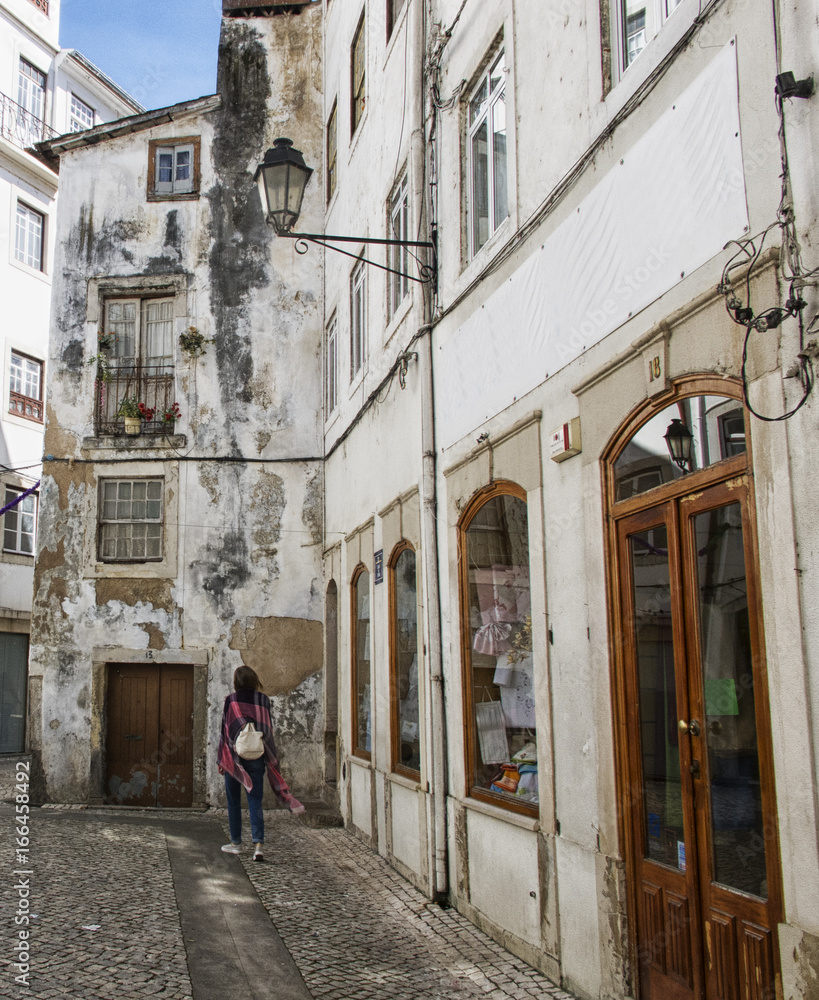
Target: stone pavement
x=129, y=905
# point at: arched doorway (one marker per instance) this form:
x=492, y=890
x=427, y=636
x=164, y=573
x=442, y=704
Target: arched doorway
x=695, y=770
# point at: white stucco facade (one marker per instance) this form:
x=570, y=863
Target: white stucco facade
x=436, y=473
x=34, y=71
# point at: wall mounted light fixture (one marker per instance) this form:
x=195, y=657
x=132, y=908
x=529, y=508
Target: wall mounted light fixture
x=282, y=177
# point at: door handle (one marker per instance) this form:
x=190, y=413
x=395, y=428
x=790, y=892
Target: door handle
x=692, y=727
x=694, y=767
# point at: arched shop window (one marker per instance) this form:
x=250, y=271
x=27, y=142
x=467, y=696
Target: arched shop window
x=496, y=626
x=406, y=741
x=361, y=646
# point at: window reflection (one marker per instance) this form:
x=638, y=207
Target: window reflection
x=718, y=426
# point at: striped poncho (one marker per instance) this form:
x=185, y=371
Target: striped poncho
x=242, y=707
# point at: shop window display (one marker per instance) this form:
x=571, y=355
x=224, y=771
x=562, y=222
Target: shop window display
x=499, y=659
x=404, y=603
x=362, y=700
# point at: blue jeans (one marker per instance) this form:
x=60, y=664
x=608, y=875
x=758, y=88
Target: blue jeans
x=233, y=789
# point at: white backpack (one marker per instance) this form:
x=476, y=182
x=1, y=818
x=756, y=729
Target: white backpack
x=250, y=742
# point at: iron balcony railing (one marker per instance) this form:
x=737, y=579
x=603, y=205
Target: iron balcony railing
x=20, y=126
x=151, y=385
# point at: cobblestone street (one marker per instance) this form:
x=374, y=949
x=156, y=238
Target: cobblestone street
x=111, y=917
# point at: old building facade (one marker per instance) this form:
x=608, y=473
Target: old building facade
x=543, y=484
x=44, y=91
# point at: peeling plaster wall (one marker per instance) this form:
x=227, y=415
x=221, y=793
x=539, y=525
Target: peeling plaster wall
x=240, y=577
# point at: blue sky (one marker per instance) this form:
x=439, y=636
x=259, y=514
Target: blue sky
x=160, y=52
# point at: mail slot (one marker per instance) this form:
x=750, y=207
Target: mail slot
x=133, y=737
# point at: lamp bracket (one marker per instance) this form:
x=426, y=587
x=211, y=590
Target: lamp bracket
x=427, y=271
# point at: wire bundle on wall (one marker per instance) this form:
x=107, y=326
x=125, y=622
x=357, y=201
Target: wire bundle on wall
x=741, y=312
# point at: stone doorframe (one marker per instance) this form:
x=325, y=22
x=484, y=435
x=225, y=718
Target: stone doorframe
x=102, y=656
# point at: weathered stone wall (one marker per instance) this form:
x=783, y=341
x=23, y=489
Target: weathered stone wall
x=240, y=576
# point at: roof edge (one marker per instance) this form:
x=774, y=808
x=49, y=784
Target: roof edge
x=52, y=149
x=106, y=80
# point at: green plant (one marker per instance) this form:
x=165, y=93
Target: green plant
x=102, y=359
x=193, y=342
x=129, y=406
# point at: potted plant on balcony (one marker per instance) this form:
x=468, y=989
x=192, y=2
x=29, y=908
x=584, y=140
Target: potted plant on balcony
x=170, y=416
x=133, y=413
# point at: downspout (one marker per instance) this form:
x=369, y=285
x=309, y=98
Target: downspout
x=429, y=494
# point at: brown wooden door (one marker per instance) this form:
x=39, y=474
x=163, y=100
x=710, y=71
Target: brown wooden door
x=703, y=844
x=150, y=728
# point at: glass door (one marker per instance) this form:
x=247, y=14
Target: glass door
x=699, y=784
x=733, y=779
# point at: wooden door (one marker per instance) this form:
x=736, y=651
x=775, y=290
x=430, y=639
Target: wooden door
x=150, y=729
x=700, y=803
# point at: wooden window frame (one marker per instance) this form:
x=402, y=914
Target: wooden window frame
x=360, y=752
x=331, y=143
x=174, y=142
x=21, y=399
x=358, y=82
x=101, y=521
x=472, y=790
x=395, y=736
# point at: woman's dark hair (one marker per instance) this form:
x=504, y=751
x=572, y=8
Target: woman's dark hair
x=246, y=677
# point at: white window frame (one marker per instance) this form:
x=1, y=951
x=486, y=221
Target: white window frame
x=176, y=185
x=26, y=508
x=398, y=284
x=331, y=368
x=332, y=152
x=486, y=115
x=657, y=14
x=31, y=88
x=29, y=236
x=26, y=381
x=358, y=318
x=82, y=115
x=137, y=522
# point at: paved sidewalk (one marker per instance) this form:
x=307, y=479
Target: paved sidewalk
x=358, y=930
x=130, y=905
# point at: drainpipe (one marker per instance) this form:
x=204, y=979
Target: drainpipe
x=433, y=620
x=429, y=493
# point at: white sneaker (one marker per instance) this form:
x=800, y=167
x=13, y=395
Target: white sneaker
x=258, y=854
x=231, y=848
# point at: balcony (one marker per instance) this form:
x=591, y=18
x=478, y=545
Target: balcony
x=41, y=5
x=151, y=385
x=20, y=126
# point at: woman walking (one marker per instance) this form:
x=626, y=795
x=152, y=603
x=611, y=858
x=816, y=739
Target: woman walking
x=249, y=704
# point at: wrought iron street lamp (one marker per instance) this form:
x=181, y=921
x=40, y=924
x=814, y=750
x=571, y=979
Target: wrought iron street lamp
x=282, y=177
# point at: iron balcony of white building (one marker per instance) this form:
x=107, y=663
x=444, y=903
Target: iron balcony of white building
x=21, y=127
x=151, y=385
